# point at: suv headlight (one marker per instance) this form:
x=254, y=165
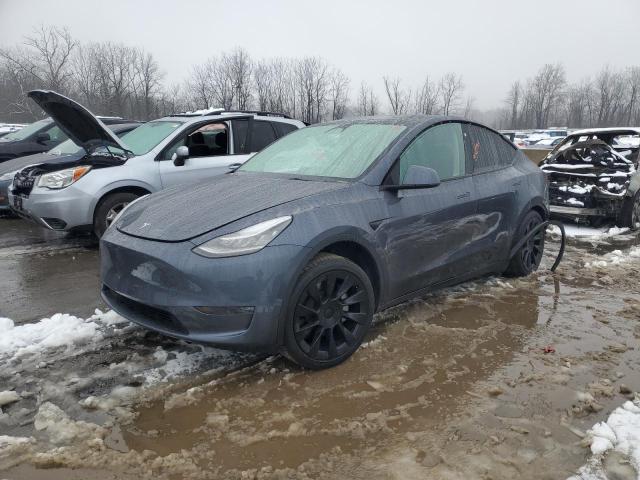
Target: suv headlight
x=248, y=240
x=62, y=178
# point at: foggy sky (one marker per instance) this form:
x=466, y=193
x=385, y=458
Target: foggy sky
x=491, y=42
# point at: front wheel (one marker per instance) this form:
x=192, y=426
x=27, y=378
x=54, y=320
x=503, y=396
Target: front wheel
x=109, y=208
x=630, y=215
x=528, y=257
x=329, y=313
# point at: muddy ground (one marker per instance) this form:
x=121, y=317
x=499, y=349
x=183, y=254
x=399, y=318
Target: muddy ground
x=497, y=378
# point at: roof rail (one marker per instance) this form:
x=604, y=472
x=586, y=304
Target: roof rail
x=222, y=111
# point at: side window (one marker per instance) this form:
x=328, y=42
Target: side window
x=440, y=147
x=262, y=135
x=208, y=140
x=488, y=151
x=240, y=130
x=283, y=128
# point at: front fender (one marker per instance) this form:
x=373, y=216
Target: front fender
x=320, y=243
x=116, y=185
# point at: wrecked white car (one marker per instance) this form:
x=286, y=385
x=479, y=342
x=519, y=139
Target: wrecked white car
x=593, y=177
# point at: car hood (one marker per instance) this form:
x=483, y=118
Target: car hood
x=21, y=162
x=180, y=213
x=76, y=121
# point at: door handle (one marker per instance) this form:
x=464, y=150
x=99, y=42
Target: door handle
x=464, y=195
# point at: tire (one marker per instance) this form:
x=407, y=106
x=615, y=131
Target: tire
x=108, y=208
x=630, y=215
x=329, y=313
x=528, y=257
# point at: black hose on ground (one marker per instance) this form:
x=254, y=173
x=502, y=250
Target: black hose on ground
x=543, y=225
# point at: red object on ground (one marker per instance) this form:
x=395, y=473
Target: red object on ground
x=549, y=349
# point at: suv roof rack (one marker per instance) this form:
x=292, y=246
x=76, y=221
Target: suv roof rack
x=222, y=111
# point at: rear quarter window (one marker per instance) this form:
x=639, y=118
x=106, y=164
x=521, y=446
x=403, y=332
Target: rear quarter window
x=488, y=150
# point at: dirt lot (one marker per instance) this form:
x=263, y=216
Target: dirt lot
x=498, y=378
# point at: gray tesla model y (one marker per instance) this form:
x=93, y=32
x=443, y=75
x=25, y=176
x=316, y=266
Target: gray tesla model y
x=298, y=248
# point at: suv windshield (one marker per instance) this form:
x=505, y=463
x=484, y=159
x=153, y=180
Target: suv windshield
x=145, y=137
x=65, y=148
x=25, y=132
x=338, y=151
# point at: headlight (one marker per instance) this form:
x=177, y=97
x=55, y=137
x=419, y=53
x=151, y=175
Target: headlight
x=8, y=176
x=245, y=241
x=62, y=178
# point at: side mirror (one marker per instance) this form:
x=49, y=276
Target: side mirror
x=43, y=137
x=181, y=155
x=416, y=177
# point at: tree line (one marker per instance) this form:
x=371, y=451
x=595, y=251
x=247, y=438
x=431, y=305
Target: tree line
x=610, y=98
x=115, y=79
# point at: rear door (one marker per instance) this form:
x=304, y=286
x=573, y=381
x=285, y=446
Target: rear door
x=428, y=230
x=498, y=184
x=209, y=149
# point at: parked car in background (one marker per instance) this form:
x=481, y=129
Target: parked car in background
x=298, y=248
x=6, y=128
x=593, y=177
x=37, y=137
x=88, y=192
x=547, y=143
x=67, y=149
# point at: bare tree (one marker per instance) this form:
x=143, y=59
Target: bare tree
x=398, y=97
x=426, y=98
x=451, y=88
x=368, y=104
x=514, y=98
x=235, y=69
x=339, y=94
x=544, y=93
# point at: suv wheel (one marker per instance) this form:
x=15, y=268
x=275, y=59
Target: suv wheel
x=329, y=313
x=630, y=215
x=109, y=208
x=527, y=259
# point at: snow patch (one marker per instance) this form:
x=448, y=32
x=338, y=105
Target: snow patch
x=615, y=257
x=620, y=433
x=8, y=397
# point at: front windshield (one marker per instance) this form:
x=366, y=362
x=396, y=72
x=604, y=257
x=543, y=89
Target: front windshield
x=25, y=132
x=147, y=136
x=65, y=148
x=339, y=151
x=69, y=147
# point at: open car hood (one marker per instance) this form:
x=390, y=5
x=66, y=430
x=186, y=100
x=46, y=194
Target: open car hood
x=76, y=121
x=179, y=213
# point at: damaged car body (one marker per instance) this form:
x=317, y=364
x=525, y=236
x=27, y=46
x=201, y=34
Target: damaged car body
x=593, y=177
x=297, y=249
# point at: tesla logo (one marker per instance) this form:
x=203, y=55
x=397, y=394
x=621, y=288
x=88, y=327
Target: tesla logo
x=144, y=225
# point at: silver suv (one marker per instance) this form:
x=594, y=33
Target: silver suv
x=89, y=192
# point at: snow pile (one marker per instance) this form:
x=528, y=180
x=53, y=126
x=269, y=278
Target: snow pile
x=615, y=257
x=620, y=433
x=60, y=330
x=584, y=231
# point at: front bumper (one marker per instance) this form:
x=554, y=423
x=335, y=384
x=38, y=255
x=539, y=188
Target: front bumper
x=65, y=209
x=233, y=302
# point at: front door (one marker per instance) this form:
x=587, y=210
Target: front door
x=428, y=230
x=208, y=155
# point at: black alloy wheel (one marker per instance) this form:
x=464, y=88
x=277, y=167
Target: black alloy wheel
x=528, y=257
x=332, y=312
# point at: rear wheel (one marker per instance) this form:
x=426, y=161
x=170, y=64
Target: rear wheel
x=329, y=313
x=528, y=257
x=109, y=208
x=630, y=215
